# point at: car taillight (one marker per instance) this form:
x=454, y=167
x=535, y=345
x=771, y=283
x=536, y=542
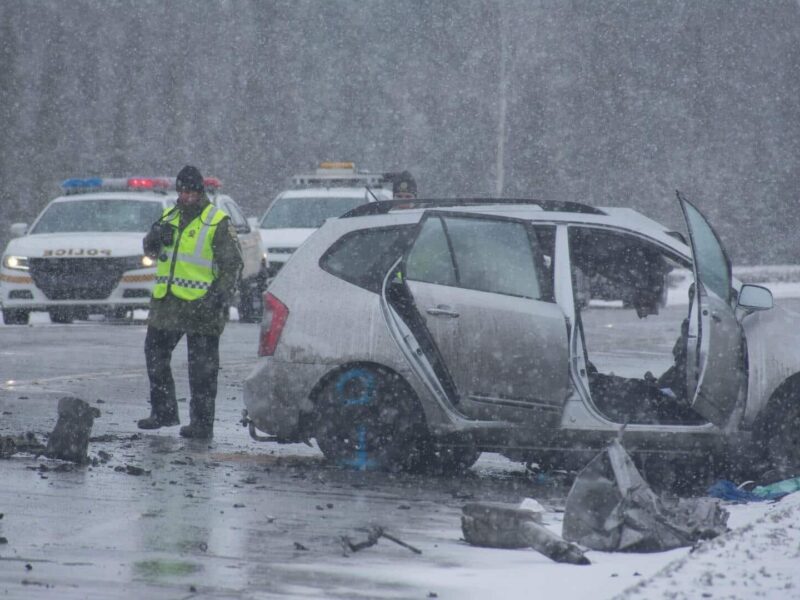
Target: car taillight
x=275, y=315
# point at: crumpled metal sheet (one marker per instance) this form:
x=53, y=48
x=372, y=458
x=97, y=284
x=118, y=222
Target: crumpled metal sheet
x=612, y=508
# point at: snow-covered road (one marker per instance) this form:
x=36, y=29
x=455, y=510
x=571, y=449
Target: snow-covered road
x=241, y=519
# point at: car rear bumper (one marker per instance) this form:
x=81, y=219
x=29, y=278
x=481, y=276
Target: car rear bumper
x=277, y=393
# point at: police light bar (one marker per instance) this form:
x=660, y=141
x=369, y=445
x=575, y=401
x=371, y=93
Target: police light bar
x=338, y=174
x=129, y=184
x=150, y=183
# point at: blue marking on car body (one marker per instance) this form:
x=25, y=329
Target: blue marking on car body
x=368, y=379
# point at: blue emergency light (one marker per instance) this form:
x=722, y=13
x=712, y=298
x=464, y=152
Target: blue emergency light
x=83, y=184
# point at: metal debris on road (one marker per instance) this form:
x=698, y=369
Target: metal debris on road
x=612, y=508
x=373, y=535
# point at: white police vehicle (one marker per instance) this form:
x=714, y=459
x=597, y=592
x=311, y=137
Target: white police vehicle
x=83, y=253
x=329, y=191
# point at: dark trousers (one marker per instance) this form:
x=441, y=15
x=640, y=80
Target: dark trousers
x=203, y=369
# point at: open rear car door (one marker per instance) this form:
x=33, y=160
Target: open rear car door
x=479, y=304
x=714, y=369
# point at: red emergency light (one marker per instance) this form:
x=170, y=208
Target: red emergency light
x=149, y=183
x=212, y=182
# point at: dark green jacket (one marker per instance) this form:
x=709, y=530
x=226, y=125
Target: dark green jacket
x=208, y=315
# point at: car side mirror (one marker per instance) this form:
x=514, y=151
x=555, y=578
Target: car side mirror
x=754, y=297
x=18, y=229
x=253, y=222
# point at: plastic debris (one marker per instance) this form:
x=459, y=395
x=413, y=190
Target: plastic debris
x=496, y=525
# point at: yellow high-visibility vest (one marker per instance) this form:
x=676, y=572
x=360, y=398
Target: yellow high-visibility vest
x=186, y=268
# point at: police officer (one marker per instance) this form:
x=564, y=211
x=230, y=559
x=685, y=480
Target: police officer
x=199, y=260
x=404, y=186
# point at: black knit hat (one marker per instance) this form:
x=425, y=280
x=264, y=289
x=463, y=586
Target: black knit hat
x=189, y=180
x=404, y=185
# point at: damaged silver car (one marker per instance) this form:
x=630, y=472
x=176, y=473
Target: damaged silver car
x=407, y=335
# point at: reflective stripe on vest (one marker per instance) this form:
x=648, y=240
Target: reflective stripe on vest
x=187, y=270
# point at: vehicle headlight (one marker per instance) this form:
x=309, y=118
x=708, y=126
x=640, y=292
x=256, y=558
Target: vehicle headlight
x=19, y=263
x=138, y=262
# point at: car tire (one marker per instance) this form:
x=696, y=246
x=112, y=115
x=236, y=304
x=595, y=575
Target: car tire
x=369, y=418
x=117, y=314
x=15, y=316
x=251, y=303
x=61, y=315
x=782, y=433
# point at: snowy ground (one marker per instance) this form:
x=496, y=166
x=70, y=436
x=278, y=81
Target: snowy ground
x=224, y=520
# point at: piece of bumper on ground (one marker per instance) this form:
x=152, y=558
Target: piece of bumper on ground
x=501, y=526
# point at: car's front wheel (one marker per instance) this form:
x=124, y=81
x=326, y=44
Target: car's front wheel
x=15, y=316
x=782, y=434
x=369, y=418
x=61, y=315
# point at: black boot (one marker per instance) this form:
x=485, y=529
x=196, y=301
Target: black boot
x=197, y=431
x=155, y=421
x=201, y=418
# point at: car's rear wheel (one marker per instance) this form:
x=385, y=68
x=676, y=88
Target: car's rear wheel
x=61, y=315
x=782, y=434
x=15, y=316
x=369, y=418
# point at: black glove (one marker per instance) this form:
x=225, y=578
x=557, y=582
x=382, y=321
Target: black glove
x=164, y=233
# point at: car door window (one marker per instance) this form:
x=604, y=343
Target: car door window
x=713, y=267
x=430, y=259
x=494, y=256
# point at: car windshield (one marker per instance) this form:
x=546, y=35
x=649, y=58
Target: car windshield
x=98, y=215
x=307, y=212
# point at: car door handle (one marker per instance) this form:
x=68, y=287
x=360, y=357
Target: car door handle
x=442, y=311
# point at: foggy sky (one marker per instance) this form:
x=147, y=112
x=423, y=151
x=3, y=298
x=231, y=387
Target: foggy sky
x=610, y=103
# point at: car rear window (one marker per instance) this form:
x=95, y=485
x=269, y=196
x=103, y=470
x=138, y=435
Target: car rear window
x=364, y=256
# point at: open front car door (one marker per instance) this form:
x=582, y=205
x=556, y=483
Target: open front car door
x=715, y=370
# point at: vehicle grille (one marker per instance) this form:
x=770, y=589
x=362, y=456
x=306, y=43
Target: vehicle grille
x=76, y=278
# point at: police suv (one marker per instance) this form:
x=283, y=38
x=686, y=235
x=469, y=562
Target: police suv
x=83, y=253
x=329, y=191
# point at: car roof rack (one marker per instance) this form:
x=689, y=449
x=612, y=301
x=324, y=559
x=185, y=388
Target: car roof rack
x=383, y=207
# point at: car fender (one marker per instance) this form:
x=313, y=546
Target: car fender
x=773, y=355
